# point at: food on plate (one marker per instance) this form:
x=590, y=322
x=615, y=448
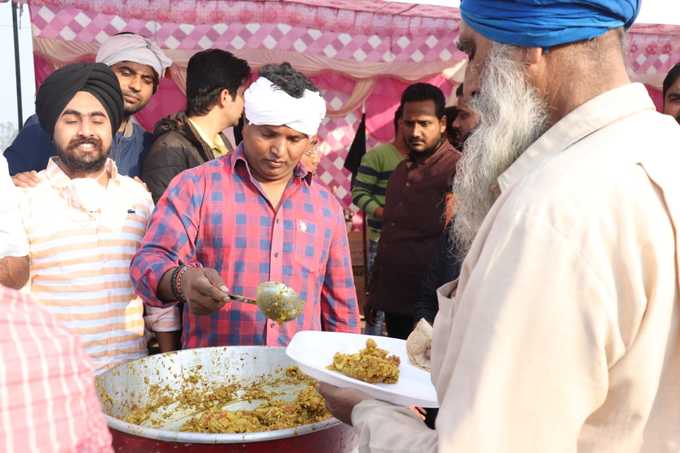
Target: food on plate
x=419, y=345
x=371, y=364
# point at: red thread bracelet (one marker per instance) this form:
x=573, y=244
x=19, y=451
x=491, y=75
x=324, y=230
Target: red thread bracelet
x=177, y=284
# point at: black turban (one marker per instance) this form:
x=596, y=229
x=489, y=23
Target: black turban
x=60, y=87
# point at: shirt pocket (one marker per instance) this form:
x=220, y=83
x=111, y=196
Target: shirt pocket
x=446, y=296
x=307, y=245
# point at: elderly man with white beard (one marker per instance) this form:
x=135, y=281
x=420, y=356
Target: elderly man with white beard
x=563, y=334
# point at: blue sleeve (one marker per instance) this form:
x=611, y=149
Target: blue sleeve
x=31, y=149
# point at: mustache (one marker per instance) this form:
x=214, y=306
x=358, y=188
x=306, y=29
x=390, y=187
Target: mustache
x=76, y=142
x=513, y=116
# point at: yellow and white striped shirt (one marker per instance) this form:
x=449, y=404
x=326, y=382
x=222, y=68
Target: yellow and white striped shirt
x=80, y=258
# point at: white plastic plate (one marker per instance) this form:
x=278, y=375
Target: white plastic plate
x=313, y=351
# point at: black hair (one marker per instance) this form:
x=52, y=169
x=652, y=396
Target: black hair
x=208, y=73
x=425, y=92
x=670, y=79
x=451, y=113
x=285, y=77
x=397, y=117
x=459, y=90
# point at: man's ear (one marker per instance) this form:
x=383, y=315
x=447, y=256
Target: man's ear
x=531, y=55
x=442, y=124
x=225, y=98
x=535, y=62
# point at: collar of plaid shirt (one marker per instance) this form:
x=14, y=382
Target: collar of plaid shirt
x=216, y=216
x=240, y=159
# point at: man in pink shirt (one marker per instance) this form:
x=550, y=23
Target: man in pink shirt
x=48, y=401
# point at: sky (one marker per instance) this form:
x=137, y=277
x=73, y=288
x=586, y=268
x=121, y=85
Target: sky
x=653, y=12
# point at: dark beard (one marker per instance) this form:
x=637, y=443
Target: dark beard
x=419, y=156
x=75, y=165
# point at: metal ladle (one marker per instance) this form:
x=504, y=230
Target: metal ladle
x=277, y=301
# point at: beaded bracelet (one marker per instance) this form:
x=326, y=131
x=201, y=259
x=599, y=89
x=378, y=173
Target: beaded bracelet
x=176, y=280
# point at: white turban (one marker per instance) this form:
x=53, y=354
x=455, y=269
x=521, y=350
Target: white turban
x=267, y=104
x=134, y=48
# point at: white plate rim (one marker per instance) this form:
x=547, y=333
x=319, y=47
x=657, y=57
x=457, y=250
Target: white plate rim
x=340, y=380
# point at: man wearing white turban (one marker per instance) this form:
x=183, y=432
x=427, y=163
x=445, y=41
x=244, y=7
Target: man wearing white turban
x=139, y=64
x=562, y=333
x=251, y=216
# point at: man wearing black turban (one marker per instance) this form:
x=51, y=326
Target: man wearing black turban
x=139, y=65
x=60, y=87
x=87, y=217
x=84, y=137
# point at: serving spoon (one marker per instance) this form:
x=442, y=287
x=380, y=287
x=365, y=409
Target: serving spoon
x=275, y=300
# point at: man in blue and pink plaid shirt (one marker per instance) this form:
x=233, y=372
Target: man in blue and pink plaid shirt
x=252, y=216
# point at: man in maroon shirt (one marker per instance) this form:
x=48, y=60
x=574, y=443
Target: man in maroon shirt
x=415, y=208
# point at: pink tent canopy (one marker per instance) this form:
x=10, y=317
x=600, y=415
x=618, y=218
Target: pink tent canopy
x=361, y=53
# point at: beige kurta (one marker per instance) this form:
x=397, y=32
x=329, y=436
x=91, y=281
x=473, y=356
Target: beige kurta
x=564, y=335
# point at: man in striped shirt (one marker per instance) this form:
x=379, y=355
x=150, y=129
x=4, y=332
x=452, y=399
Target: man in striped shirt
x=368, y=193
x=84, y=220
x=48, y=401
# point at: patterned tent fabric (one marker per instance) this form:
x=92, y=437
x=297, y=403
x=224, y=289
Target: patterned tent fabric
x=359, y=52
x=355, y=55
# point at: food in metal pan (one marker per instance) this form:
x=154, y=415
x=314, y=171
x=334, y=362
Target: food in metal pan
x=285, y=399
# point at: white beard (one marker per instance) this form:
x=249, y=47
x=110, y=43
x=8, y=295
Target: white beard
x=513, y=116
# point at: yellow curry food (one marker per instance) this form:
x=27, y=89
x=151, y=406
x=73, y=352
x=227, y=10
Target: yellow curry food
x=371, y=364
x=205, y=404
x=308, y=407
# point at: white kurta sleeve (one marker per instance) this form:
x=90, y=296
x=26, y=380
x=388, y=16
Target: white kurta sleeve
x=13, y=241
x=385, y=428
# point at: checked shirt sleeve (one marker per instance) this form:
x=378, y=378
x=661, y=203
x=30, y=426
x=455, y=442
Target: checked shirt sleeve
x=170, y=239
x=339, y=307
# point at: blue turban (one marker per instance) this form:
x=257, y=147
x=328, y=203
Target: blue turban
x=547, y=23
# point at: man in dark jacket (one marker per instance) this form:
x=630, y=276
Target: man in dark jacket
x=415, y=208
x=215, y=84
